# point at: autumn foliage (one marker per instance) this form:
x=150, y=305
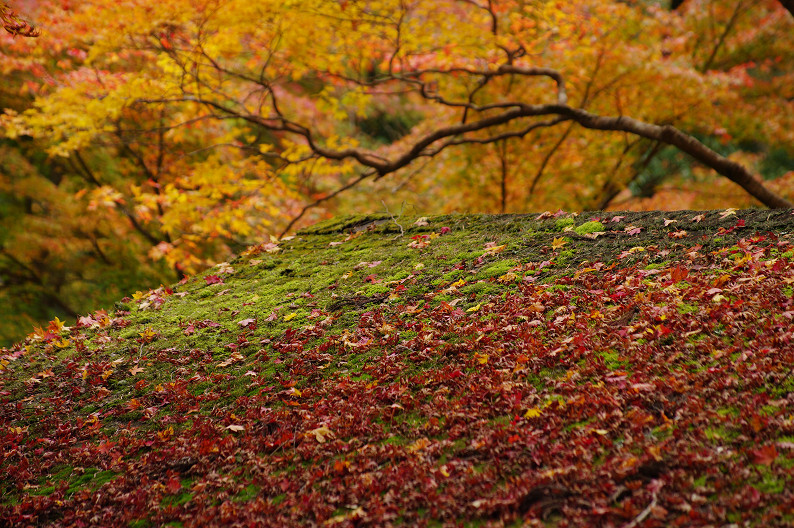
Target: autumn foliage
x=142, y=141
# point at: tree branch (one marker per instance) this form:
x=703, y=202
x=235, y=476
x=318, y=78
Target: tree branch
x=490, y=116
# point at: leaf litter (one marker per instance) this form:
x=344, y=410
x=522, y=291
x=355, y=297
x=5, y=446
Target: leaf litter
x=617, y=393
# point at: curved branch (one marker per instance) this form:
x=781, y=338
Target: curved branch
x=670, y=135
x=665, y=134
x=507, y=112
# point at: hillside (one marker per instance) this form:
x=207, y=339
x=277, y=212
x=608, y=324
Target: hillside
x=621, y=369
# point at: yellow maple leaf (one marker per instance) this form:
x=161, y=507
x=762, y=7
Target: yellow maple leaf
x=474, y=308
x=534, y=412
x=482, y=359
x=558, y=242
x=495, y=249
x=290, y=317
x=507, y=277
x=148, y=334
x=167, y=433
x=419, y=445
x=56, y=325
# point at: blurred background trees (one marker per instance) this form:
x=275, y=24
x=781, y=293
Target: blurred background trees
x=141, y=141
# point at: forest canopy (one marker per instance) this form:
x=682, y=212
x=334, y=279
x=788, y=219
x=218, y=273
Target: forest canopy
x=141, y=141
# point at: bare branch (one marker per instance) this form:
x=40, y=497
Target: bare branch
x=723, y=36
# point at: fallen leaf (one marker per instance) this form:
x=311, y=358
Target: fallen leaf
x=765, y=455
x=173, y=485
x=233, y=358
x=678, y=273
x=558, y=242
x=419, y=445
x=492, y=249
x=320, y=434
x=728, y=212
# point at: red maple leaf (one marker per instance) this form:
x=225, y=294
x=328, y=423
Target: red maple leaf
x=173, y=485
x=765, y=455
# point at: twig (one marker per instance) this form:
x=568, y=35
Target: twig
x=402, y=231
x=643, y=514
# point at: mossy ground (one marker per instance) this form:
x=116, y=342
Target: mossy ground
x=228, y=325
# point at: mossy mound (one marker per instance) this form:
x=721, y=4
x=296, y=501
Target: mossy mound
x=452, y=369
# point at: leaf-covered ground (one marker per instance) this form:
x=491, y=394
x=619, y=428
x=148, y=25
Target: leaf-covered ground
x=606, y=370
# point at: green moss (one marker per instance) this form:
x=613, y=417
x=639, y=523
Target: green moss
x=375, y=289
x=562, y=223
x=611, y=359
x=563, y=257
x=177, y=499
x=496, y=269
x=769, y=482
x=589, y=227
x=700, y=481
x=455, y=275
x=481, y=288
x=247, y=493
x=397, y=276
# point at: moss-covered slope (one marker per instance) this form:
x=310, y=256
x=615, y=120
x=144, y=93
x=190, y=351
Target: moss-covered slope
x=600, y=369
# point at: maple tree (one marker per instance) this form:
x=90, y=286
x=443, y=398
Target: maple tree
x=177, y=133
